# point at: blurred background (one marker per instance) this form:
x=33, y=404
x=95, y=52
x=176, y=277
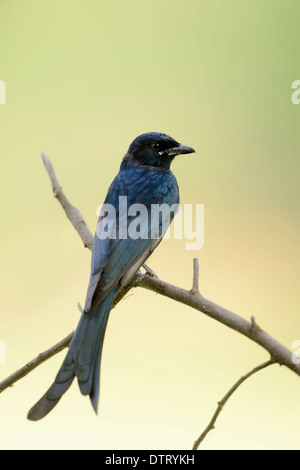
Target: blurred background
x=83, y=79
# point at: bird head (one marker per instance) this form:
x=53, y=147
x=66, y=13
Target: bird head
x=156, y=149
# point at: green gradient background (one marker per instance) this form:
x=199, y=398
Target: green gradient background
x=85, y=78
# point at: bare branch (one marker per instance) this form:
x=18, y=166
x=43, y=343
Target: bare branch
x=221, y=404
x=279, y=353
x=195, y=287
x=42, y=357
x=72, y=212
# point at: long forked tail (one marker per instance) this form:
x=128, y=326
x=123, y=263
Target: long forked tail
x=82, y=361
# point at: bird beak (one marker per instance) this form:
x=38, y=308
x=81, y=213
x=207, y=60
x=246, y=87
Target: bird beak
x=181, y=149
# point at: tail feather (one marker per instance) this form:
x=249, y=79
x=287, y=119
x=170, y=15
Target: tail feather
x=82, y=361
x=90, y=353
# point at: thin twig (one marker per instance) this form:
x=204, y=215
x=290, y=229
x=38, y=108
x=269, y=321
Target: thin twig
x=72, y=212
x=195, y=287
x=37, y=361
x=80, y=307
x=44, y=356
x=149, y=270
x=221, y=404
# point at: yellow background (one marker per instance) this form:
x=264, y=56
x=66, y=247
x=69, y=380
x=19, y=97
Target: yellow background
x=83, y=79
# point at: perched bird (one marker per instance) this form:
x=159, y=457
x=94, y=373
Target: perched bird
x=120, y=247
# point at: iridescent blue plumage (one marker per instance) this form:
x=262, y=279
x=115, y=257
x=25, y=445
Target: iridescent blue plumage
x=144, y=179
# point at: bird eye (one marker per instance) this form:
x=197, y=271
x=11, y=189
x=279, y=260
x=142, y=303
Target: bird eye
x=156, y=146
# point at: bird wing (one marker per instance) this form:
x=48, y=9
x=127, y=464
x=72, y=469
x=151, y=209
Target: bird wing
x=102, y=247
x=124, y=258
x=117, y=259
